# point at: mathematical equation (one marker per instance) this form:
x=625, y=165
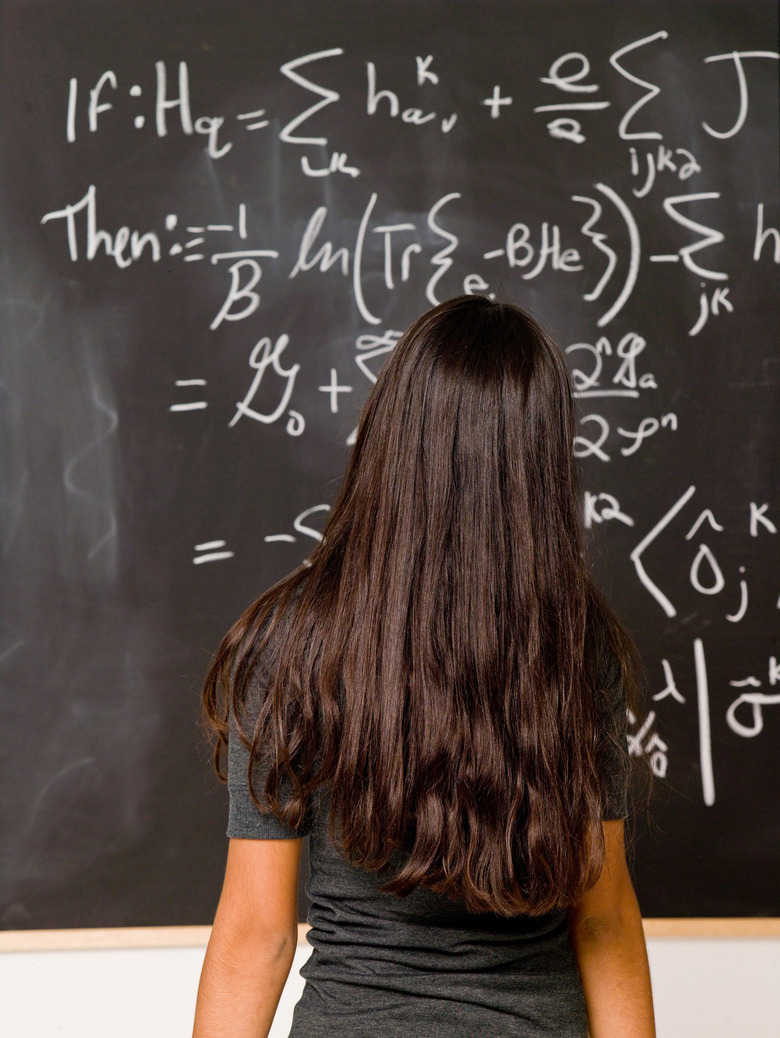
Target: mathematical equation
x=606, y=250
x=565, y=76
x=530, y=249
x=744, y=716
x=656, y=207
x=403, y=250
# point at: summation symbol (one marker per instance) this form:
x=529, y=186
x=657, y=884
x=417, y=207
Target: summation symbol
x=373, y=346
x=212, y=552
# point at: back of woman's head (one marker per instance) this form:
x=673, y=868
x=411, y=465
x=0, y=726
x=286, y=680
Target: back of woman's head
x=471, y=415
x=428, y=668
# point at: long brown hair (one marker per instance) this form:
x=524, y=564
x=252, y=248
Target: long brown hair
x=428, y=670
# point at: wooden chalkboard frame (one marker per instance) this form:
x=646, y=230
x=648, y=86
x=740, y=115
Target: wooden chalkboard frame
x=198, y=936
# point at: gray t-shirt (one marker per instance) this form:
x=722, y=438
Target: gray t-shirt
x=422, y=966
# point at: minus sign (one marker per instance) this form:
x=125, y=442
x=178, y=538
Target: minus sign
x=197, y=406
x=279, y=537
x=584, y=393
x=494, y=254
x=191, y=259
x=219, y=227
x=572, y=106
x=213, y=557
x=664, y=259
x=244, y=254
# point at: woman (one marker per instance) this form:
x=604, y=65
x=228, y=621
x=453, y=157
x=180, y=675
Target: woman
x=438, y=700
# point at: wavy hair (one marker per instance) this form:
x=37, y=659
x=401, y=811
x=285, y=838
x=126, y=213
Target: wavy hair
x=428, y=670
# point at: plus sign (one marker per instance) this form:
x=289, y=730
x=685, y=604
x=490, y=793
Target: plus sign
x=334, y=389
x=495, y=102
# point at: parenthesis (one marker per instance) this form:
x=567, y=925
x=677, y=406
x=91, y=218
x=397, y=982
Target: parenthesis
x=636, y=253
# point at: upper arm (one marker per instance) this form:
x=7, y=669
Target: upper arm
x=260, y=892
x=611, y=901
x=253, y=939
x=609, y=946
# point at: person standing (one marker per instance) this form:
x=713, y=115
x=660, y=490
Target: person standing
x=437, y=699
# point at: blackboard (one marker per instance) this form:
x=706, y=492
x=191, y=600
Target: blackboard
x=216, y=219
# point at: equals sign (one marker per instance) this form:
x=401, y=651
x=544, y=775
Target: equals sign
x=211, y=555
x=258, y=116
x=196, y=405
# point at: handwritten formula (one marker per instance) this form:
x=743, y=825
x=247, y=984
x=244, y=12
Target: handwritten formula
x=245, y=214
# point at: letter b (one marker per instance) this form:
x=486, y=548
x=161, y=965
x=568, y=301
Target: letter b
x=239, y=291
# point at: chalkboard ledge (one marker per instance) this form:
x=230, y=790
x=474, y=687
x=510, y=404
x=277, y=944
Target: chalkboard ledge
x=197, y=936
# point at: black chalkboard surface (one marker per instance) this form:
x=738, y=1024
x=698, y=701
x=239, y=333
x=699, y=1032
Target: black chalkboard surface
x=216, y=219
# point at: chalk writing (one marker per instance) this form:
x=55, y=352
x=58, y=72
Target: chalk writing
x=267, y=355
x=646, y=742
x=192, y=405
x=301, y=526
x=211, y=551
x=288, y=225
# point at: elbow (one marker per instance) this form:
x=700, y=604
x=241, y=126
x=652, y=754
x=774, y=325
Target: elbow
x=279, y=948
x=606, y=922
x=254, y=955
x=598, y=929
x=248, y=940
x=274, y=947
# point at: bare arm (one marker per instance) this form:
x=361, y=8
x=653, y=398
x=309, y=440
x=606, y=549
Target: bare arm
x=606, y=932
x=252, y=942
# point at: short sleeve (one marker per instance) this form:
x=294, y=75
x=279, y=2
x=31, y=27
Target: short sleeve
x=613, y=759
x=245, y=820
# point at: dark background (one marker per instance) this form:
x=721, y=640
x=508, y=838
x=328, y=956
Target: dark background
x=110, y=815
